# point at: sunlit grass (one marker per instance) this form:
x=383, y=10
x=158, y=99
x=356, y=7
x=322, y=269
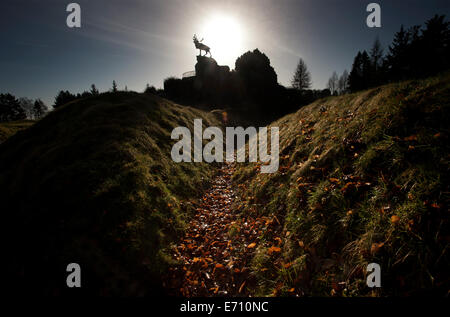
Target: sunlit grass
x=363, y=181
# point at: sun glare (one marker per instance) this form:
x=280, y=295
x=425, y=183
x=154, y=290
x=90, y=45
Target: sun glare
x=223, y=35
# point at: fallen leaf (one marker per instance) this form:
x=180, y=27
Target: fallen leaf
x=375, y=247
x=273, y=249
x=395, y=219
x=251, y=245
x=278, y=239
x=276, y=290
x=411, y=138
x=287, y=265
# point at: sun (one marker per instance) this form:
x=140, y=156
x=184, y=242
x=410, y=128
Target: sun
x=224, y=35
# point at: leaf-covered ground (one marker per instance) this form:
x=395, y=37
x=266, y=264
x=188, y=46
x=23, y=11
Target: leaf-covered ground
x=212, y=258
x=363, y=178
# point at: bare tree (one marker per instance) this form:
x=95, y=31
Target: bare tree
x=333, y=84
x=343, y=83
x=302, y=77
x=27, y=106
x=376, y=54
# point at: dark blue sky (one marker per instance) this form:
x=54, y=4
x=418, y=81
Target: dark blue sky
x=145, y=41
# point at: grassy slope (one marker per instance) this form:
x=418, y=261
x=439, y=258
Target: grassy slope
x=363, y=178
x=93, y=183
x=8, y=129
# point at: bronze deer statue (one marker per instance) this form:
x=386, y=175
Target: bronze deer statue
x=202, y=47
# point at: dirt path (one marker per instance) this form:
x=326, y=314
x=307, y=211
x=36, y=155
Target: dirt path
x=215, y=263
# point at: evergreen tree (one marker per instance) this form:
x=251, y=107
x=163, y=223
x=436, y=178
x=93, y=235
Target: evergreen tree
x=302, y=77
x=355, y=77
x=114, y=86
x=10, y=109
x=63, y=97
x=94, y=90
x=420, y=52
x=435, y=42
x=376, y=59
x=366, y=65
x=360, y=75
x=84, y=94
x=39, y=109
x=397, y=58
x=376, y=54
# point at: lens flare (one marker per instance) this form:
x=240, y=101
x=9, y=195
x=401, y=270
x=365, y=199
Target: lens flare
x=224, y=35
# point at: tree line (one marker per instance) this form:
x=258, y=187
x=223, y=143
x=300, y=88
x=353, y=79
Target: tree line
x=65, y=96
x=13, y=108
x=416, y=52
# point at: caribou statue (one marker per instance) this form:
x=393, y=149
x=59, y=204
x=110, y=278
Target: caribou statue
x=202, y=47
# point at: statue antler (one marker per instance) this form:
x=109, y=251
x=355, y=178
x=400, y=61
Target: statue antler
x=196, y=39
